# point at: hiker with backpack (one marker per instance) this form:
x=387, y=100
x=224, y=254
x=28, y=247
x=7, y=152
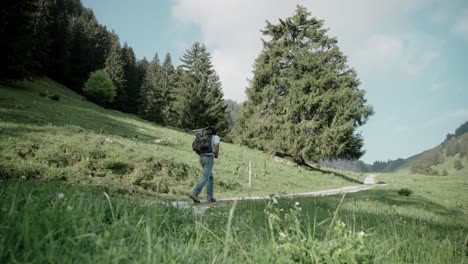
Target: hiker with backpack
x=206, y=145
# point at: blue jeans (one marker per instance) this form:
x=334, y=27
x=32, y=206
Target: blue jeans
x=207, y=162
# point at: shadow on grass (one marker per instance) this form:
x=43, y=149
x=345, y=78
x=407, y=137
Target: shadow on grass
x=88, y=119
x=332, y=173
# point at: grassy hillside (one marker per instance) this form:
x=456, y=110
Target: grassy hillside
x=75, y=141
x=441, y=158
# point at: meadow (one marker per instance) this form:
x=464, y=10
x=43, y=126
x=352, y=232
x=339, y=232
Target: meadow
x=82, y=184
x=76, y=142
x=56, y=223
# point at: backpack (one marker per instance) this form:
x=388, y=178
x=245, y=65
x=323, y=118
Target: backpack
x=202, y=142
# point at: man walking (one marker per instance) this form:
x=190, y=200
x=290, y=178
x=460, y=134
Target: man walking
x=207, y=161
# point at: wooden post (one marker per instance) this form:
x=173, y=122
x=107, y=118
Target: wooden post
x=250, y=173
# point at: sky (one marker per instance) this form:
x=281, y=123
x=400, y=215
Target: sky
x=411, y=56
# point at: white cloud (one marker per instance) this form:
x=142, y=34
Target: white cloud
x=461, y=25
x=376, y=35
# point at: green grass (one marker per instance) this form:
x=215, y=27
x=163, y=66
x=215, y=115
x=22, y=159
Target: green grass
x=448, y=191
x=75, y=141
x=68, y=195
x=376, y=226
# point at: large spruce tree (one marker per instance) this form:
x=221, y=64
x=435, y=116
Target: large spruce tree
x=304, y=100
x=132, y=88
x=152, y=95
x=169, y=91
x=200, y=95
x=115, y=68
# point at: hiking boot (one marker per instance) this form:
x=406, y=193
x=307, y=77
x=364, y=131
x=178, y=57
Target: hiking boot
x=194, y=197
x=211, y=200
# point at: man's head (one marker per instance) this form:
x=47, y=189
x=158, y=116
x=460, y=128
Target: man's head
x=214, y=130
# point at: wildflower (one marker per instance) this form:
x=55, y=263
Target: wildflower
x=361, y=234
x=282, y=235
x=297, y=203
x=109, y=140
x=281, y=210
x=69, y=208
x=60, y=196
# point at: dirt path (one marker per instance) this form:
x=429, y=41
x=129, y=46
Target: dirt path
x=369, y=182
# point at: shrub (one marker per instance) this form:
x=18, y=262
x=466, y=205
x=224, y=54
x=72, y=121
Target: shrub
x=458, y=165
x=100, y=88
x=405, y=192
x=422, y=167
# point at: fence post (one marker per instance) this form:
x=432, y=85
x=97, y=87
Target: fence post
x=250, y=173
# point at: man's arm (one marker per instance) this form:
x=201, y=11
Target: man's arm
x=216, y=150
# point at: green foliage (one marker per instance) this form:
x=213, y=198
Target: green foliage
x=458, y=165
x=405, y=192
x=152, y=94
x=88, y=44
x=115, y=67
x=293, y=244
x=233, y=108
x=444, y=172
x=200, y=102
x=100, y=88
x=462, y=129
x=422, y=167
x=304, y=100
x=26, y=38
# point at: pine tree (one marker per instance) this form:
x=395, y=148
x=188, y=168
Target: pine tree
x=151, y=92
x=17, y=39
x=115, y=68
x=141, y=69
x=201, y=99
x=169, y=92
x=89, y=45
x=304, y=101
x=132, y=87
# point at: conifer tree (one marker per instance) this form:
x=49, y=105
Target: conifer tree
x=17, y=39
x=89, y=48
x=132, y=87
x=151, y=92
x=304, y=100
x=115, y=68
x=169, y=91
x=201, y=98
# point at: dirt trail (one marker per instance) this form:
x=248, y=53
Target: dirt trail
x=369, y=182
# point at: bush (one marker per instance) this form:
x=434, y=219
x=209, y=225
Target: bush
x=100, y=88
x=422, y=167
x=458, y=165
x=405, y=192
x=444, y=172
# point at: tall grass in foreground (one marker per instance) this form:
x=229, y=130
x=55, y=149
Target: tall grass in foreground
x=54, y=223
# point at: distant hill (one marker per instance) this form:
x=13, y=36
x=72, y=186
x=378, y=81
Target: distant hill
x=233, y=108
x=448, y=158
